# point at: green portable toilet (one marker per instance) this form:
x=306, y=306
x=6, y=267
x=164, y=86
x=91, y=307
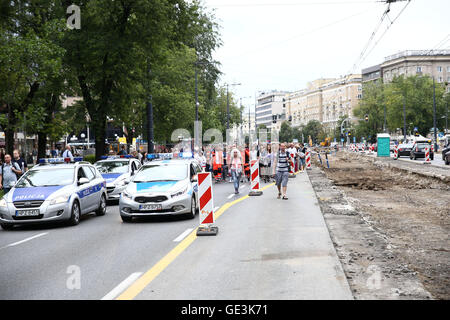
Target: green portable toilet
x=383, y=145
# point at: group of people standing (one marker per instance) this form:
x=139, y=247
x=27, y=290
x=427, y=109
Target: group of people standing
x=11, y=169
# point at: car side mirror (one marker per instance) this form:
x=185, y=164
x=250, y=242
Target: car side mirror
x=83, y=181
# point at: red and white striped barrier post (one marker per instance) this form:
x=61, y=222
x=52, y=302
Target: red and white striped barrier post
x=395, y=152
x=254, y=174
x=363, y=148
x=432, y=147
x=292, y=166
x=427, y=155
x=308, y=159
x=206, y=205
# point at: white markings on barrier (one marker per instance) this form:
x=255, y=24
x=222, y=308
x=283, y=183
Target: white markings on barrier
x=254, y=173
x=205, y=198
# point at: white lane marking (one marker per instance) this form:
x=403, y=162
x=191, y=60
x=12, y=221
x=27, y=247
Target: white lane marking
x=122, y=286
x=216, y=208
x=25, y=240
x=183, y=235
x=231, y=196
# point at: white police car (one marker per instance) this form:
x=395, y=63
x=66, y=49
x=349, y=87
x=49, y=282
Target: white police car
x=117, y=171
x=54, y=190
x=162, y=187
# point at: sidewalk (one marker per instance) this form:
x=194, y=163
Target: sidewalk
x=266, y=249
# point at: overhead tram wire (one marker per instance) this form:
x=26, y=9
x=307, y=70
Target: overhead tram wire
x=364, y=54
x=302, y=34
x=314, y=3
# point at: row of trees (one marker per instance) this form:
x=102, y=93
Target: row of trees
x=125, y=54
x=415, y=92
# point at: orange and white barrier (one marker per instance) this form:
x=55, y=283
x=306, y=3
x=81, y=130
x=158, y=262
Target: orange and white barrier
x=254, y=174
x=206, y=205
x=308, y=159
x=395, y=152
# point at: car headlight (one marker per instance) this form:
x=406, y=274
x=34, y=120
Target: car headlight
x=3, y=203
x=126, y=195
x=60, y=199
x=179, y=192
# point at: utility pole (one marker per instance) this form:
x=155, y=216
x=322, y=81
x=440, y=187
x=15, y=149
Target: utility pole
x=149, y=113
x=228, y=103
x=404, y=117
x=434, y=115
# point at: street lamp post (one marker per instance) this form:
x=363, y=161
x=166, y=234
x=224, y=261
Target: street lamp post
x=434, y=115
x=228, y=103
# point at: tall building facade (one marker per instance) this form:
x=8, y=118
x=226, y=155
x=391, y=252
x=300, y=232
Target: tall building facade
x=270, y=109
x=324, y=100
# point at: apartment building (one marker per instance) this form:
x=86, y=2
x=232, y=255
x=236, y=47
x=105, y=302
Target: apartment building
x=270, y=109
x=324, y=100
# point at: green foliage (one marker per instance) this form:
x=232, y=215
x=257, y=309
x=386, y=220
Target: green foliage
x=90, y=158
x=314, y=130
x=416, y=92
x=285, y=134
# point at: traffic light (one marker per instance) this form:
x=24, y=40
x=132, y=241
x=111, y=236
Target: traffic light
x=366, y=118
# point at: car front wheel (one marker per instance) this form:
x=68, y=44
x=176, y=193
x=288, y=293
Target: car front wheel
x=102, y=206
x=75, y=214
x=191, y=214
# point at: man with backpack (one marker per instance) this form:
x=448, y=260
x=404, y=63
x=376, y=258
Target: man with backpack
x=8, y=174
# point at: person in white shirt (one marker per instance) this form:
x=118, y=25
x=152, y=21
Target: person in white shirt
x=67, y=153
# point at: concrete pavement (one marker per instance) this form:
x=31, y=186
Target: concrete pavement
x=266, y=249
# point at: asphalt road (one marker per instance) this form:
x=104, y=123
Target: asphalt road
x=42, y=262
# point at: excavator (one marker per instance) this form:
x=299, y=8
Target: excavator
x=326, y=142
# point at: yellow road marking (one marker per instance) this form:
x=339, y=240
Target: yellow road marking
x=132, y=291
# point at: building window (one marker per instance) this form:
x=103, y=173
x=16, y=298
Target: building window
x=419, y=70
x=440, y=79
x=439, y=69
x=359, y=96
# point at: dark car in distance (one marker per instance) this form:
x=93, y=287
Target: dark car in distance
x=418, y=150
x=404, y=149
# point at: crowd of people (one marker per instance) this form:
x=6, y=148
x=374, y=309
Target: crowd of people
x=11, y=169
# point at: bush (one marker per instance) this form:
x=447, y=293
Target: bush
x=90, y=158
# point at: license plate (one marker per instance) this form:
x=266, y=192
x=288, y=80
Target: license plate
x=27, y=213
x=150, y=207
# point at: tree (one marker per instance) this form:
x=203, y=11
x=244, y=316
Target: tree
x=314, y=129
x=285, y=134
x=30, y=68
x=417, y=92
x=372, y=105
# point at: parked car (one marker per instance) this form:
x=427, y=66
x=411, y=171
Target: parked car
x=447, y=157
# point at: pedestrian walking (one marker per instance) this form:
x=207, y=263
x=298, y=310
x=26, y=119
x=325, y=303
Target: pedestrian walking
x=302, y=156
x=236, y=168
x=123, y=152
x=283, y=160
x=8, y=174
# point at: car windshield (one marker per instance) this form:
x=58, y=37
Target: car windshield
x=161, y=173
x=422, y=145
x=112, y=166
x=46, y=178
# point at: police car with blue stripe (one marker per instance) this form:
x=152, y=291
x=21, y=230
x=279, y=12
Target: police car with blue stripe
x=167, y=185
x=56, y=189
x=117, y=171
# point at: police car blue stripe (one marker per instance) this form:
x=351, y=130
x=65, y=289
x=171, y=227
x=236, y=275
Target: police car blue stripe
x=34, y=193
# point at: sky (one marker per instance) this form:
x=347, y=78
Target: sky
x=284, y=44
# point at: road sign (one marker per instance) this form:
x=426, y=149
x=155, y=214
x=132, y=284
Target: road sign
x=206, y=205
x=354, y=139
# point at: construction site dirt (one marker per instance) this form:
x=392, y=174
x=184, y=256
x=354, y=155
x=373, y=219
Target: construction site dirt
x=389, y=222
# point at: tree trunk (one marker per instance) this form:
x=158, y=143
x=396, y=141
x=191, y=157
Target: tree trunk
x=100, y=135
x=9, y=133
x=42, y=145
